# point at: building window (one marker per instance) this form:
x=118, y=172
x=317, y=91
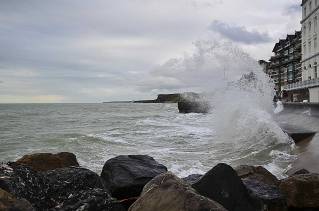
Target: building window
x=305, y=11
x=310, y=6
x=315, y=24
x=309, y=26
x=315, y=70
x=309, y=46
x=316, y=3
x=291, y=50
x=315, y=43
x=304, y=48
x=304, y=30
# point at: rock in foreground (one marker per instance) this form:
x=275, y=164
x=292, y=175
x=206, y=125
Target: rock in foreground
x=65, y=182
x=90, y=200
x=267, y=197
x=48, y=161
x=223, y=185
x=302, y=191
x=169, y=193
x=258, y=173
x=10, y=203
x=22, y=182
x=126, y=175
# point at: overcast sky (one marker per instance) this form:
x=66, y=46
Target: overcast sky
x=107, y=50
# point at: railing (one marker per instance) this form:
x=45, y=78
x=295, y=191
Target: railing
x=302, y=84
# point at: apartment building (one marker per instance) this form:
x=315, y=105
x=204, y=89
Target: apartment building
x=284, y=67
x=308, y=88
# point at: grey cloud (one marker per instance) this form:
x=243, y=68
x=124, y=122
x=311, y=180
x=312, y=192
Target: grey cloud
x=239, y=33
x=293, y=9
x=100, y=50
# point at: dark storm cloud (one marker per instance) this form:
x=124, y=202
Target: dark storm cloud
x=239, y=33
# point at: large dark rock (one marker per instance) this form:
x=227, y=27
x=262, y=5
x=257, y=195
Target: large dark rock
x=9, y=203
x=258, y=173
x=223, y=185
x=66, y=182
x=193, y=178
x=302, y=191
x=263, y=187
x=22, y=182
x=126, y=175
x=45, y=190
x=90, y=200
x=267, y=197
x=187, y=106
x=169, y=193
x=48, y=161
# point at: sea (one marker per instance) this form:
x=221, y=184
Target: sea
x=185, y=143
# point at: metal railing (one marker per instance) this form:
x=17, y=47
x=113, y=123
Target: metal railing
x=302, y=84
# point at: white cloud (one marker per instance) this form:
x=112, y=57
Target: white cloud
x=107, y=45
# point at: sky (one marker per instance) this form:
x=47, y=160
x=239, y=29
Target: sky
x=109, y=50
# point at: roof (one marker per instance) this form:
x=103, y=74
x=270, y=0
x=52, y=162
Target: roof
x=289, y=37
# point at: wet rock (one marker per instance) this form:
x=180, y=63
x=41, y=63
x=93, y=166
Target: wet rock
x=302, y=191
x=267, y=197
x=258, y=173
x=169, y=193
x=126, y=175
x=301, y=171
x=22, y=182
x=9, y=203
x=66, y=182
x=223, y=185
x=48, y=161
x=193, y=178
x=186, y=106
x=90, y=200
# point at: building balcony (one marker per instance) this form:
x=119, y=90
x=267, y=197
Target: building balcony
x=278, y=56
x=302, y=84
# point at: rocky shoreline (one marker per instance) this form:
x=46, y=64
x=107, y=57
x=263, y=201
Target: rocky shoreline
x=47, y=181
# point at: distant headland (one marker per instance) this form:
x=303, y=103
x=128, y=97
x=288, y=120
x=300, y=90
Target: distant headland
x=165, y=98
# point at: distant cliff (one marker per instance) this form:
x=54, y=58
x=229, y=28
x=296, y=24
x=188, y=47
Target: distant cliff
x=170, y=98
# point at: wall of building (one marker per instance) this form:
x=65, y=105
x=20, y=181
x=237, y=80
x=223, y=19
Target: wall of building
x=314, y=95
x=310, y=36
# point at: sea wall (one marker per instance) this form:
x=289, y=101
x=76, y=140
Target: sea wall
x=313, y=108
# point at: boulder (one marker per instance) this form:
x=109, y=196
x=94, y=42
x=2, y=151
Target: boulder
x=193, y=178
x=22, y=182
x=126, y=175
x=186, y=106
x=90, y=200
x=66, y=182
x=267, y=197
x=301, y=171
x=302, y=191
x=9, y=203
x=223, y=185
x=258, y=173
x=169, y=193
x=49, y=189
x=48, y=161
